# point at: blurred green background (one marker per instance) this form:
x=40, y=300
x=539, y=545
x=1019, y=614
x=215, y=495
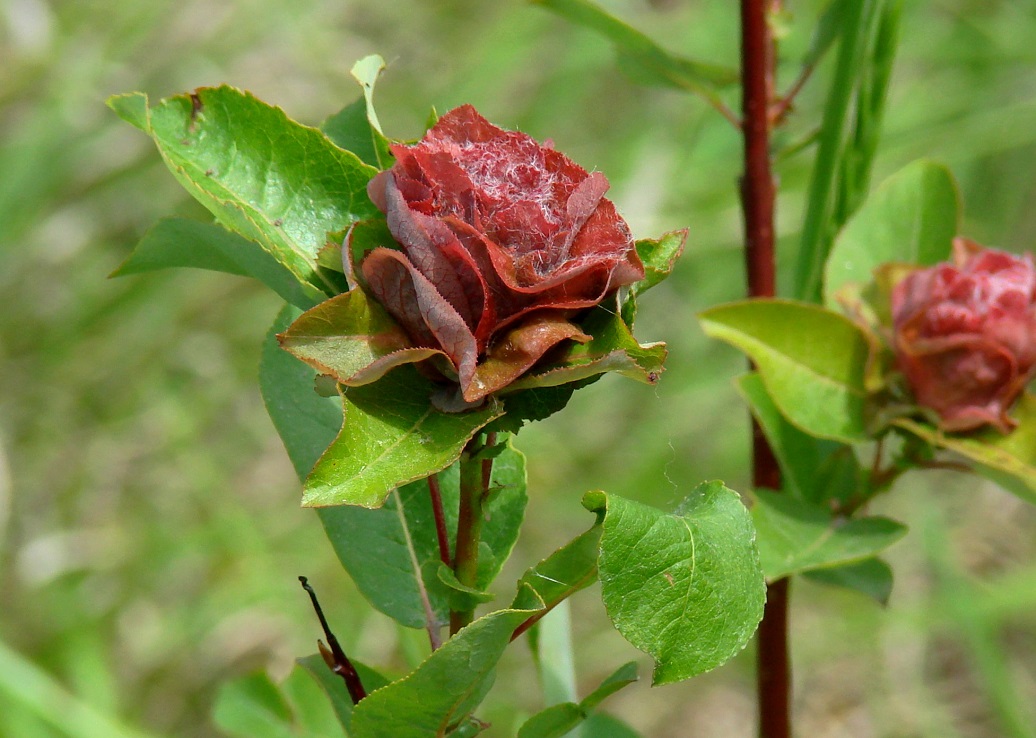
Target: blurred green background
x=150, y=535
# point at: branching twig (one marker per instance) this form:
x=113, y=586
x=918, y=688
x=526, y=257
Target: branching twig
x=334, y=656
x=779, y=111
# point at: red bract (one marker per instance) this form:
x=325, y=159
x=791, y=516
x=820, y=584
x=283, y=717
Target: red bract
x=965, y=335
x=502, y=241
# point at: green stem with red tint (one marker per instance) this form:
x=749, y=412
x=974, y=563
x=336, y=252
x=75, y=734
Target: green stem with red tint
x=475, y=475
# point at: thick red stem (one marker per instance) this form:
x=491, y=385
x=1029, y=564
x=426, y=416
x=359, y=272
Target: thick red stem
x=758, y=198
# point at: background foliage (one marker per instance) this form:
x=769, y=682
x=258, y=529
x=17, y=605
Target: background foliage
x=149, y=530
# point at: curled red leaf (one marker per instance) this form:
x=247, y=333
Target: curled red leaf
x=502, y=241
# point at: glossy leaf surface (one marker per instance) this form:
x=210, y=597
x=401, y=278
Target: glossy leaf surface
x=444, y=689
x=273, y=181
x=391, y=435
x=686, y=587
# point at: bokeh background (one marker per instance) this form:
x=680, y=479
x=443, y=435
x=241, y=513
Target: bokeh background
x=150, y=535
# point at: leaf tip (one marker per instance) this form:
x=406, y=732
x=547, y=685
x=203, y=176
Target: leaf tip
x=132, y=107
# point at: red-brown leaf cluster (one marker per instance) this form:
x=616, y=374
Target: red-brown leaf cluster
x=965, y=335
x=502, y=241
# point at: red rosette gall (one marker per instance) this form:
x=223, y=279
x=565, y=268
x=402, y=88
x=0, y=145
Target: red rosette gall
x=964, y=335
x=501, y=242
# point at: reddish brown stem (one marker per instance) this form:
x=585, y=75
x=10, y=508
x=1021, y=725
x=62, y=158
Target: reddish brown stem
x=758, y=200
x=757, y=188
x=440, y=519
x=774, y=666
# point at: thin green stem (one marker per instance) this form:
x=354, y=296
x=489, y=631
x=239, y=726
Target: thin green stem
x=473, y=488
x=815, y=231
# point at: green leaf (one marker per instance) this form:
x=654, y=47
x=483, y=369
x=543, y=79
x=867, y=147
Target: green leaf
x=612, y=348
x=181, y=242
x=556, y=721
x=686, y=587
x=813, y=469
x=391, y=435
x=795, y=536
x=387, y=550
x=641, y=58
x=254, y=707
x=566, y=571
x=621, y=677
x=912, y=217
x=871, y=577
x=459, y=596
x=553, y=722
x=352, y=338
x=349, y=129
x=334, y=687
x=535, y=404
x=810, y=359
x=306, y=422
x=132, y=108
x=799, y=454
x=659, y=257
x=269, y=179
x=1008, y=459
x=356, y=127
x=366, y=71
x=444, y=689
